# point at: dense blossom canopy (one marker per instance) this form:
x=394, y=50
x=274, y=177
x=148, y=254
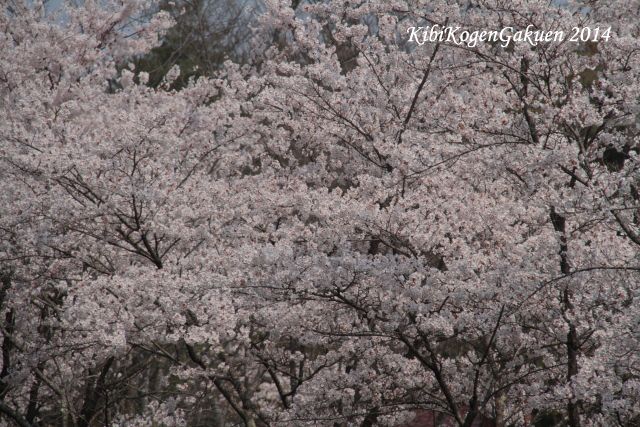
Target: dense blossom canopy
x=351, y=228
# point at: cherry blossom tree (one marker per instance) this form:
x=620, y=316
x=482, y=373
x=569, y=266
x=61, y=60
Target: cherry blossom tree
x=112, y=204
x=456, y=222
x=369, y=221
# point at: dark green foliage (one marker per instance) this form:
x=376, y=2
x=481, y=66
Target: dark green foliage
x=207, y=33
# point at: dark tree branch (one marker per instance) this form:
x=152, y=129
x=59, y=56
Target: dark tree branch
x=11, y=413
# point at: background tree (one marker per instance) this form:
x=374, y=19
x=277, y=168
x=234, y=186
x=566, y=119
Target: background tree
x=206, y=34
